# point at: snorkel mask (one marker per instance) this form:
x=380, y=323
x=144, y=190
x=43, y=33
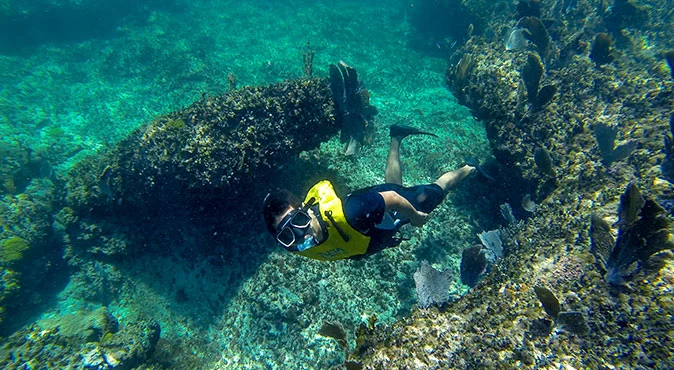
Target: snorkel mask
x=294, y=230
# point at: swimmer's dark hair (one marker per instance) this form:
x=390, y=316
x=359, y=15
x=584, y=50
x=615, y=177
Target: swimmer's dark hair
x=275, y=203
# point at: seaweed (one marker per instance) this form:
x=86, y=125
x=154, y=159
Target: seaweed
x=643, y=231
x=334, y=330
x=571, y=321
x=352, y=101
x=550, y=302
x=531, y=74
x=462, y=70
x=308, y=61
x=528, y=204
x=517, y=40
x=493, y=243
x=545, y=95
x=600, y=238
x=537, y=33
x=432, y=285
x=473, y=264
x=605, y=136
x=507, y=213
x=601, y=50
x=544, y=162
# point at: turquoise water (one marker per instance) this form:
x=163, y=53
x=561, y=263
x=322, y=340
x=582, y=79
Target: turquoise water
x=140, y=139
x=232, y=298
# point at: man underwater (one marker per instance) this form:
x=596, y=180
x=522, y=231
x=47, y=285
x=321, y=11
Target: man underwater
x=324, y=228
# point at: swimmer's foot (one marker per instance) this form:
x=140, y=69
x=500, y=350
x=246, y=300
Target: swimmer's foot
x=472, y=162
x=452, y=179
x=401, y=131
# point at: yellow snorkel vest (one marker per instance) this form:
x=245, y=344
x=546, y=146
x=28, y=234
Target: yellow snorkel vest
x=343, y=240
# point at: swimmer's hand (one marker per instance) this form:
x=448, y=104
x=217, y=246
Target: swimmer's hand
x=396, y=202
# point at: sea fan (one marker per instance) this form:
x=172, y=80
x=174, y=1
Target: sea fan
x=432, y=285
x=644, y=231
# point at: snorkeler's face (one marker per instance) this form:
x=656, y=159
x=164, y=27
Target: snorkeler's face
x=296, y=226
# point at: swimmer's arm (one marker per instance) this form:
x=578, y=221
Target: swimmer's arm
x=396, y=202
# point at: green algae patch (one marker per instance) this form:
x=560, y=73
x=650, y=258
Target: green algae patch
x=13, y=249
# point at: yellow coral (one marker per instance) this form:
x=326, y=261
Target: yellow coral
x=12, y=249
x=175, y=124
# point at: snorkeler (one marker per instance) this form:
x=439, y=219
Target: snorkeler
x=367, y=222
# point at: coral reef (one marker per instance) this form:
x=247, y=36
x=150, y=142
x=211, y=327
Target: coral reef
x=86, y=339
x=226, y=298
x=213, y=146
x=28, y=255
x=498, y=323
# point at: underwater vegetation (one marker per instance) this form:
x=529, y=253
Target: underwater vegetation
x=217, y=143
x=432, y=285
x=552, y=117
x=531, y=75
x=572, y=321
x=473, y=264
x=352, y=102
x=606, y=136
x=564, y=156
x=601, y=49
x=644, y=231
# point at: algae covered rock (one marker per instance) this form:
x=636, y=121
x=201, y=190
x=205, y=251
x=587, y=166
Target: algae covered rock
x=132, y=346
x=215, y=146
x=102, y=344
x=12, y=250
x=28, y=250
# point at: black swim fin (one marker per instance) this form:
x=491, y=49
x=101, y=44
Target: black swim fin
x=402, y=131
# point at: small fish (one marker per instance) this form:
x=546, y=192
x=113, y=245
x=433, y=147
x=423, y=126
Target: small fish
x=528, y=204
x=517, y=40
